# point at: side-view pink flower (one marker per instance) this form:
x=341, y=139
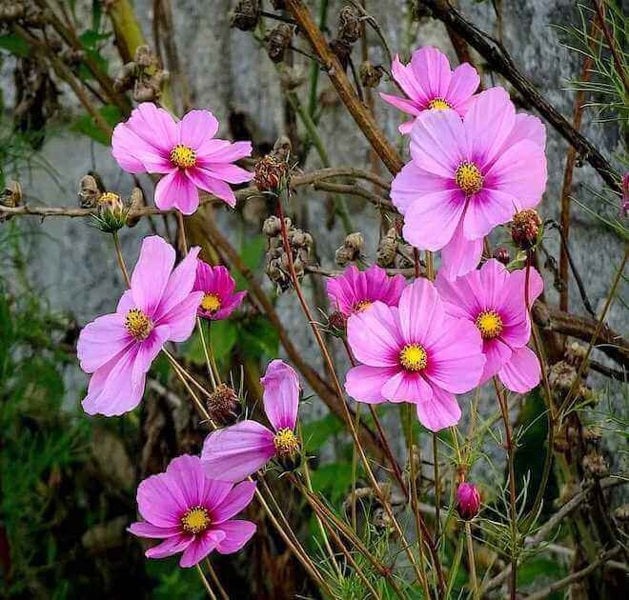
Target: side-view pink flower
x=414, y=353
x=219, y=299
x=430, y=84
x=468, y=176
x=192, y=513
x=118, y=348
x=355, y=291
x=494, y=300
x=152, y=141
x=235, y=452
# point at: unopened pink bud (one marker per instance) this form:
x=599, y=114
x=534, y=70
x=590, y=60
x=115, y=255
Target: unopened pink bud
x=467, y=501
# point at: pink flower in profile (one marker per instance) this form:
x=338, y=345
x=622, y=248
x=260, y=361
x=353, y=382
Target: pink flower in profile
x=467, y=501
x=118, y=348
x=414, y=353
x=355, y=290
x=218, y=300
x=467, y=176
x=430, y=84
x=235, y=452
x=152, y=141
x=192, y=513
x=493, y=300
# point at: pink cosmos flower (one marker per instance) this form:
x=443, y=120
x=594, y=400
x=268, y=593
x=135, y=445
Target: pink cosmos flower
x=467, y=176
x=430, y=84
x=118, y=348
x=414, y=353
x=467, y=501
x=493, y=299
x=219, y=300
x=192, y=513
x=152, y=141
x=235, y=452
x=355, y=290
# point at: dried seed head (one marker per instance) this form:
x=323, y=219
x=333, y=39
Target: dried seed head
x=350, y=26
x=370, y=75
x=136, y=203
x=501, y=254
x=223, y=405
x=622, y=513
x=387, y=248
x=272, y=226
x=278, y=40
x=592, y=435
x=245, y=15
x=526, y=229
x=351, y=249
x=337, y=324
x=575, y=354
x=271, y=174
x=595, y=465
x=342, y=51
x=90, y=191
x=11, y=197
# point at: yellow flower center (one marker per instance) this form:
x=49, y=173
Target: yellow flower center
x=183, y=157
x=469, y=178
x=210, y=302
x=489, y=324
x=286, y=442
x=413, y=357
x=109, y=199
x=195, y=520
x=439, y=104
x=138, y=324
x=362, y=305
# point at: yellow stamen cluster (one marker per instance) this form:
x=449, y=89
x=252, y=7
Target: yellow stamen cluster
x=286, y=442
x=210, y=302
x=195, y=520
x=439, y=104
x=489, y=324
x=469, y=178
x=183, y=157
x=138, y=324
x=362, y=305
x=413, y=358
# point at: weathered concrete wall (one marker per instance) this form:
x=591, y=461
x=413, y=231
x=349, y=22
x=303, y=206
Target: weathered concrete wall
x=74, y=264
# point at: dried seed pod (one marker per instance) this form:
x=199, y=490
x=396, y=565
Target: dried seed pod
x=351, y=249
x=526, y=229
x=89, y=192
x=136, y=203
x=595, y=465
x=278, y=41
x=11, y=197
x=387, y=248
x=271, y=226
x=223, y=405
x=337, y=324
x=342, y=50
x=271, y=174
x=370, y=75
x=245, y=15
x=350, y=26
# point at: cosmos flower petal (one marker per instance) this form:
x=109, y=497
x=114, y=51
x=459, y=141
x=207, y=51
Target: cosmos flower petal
x=404, y=104
x=238, y=498
x=460, y=255
x=136, y=155
x=223, y=151
x=527, y=127
x=444, y=208
x=497, y=354
x=233, y=453
x=522, y=372
x=169, y=547
x=407, y=387
x=216, y=281
x=421, y=311
x=431, y=67
x=159, y=503
x=188, y=479
x=412, y=183
x=485, y=210
x=196, y=127
x=101, y=340
x=409, y=83
x=237, y=534
x=436, y=142
x=465, y=81
x=180, y=284
x=374, y=336
x=439, y=411
x=148, y=530
x=281, y=395
x=205, y=181
x=200, y=547
x=154, y=125
x=227, y=172
x=177, y=190
x=364, y=383
x=489, y=121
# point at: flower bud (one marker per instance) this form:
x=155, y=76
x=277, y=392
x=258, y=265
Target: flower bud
x=526, y=229
x=501, y=254
x=112, y=213
x=270, y=174
x=337, y=323
x=467, y=501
